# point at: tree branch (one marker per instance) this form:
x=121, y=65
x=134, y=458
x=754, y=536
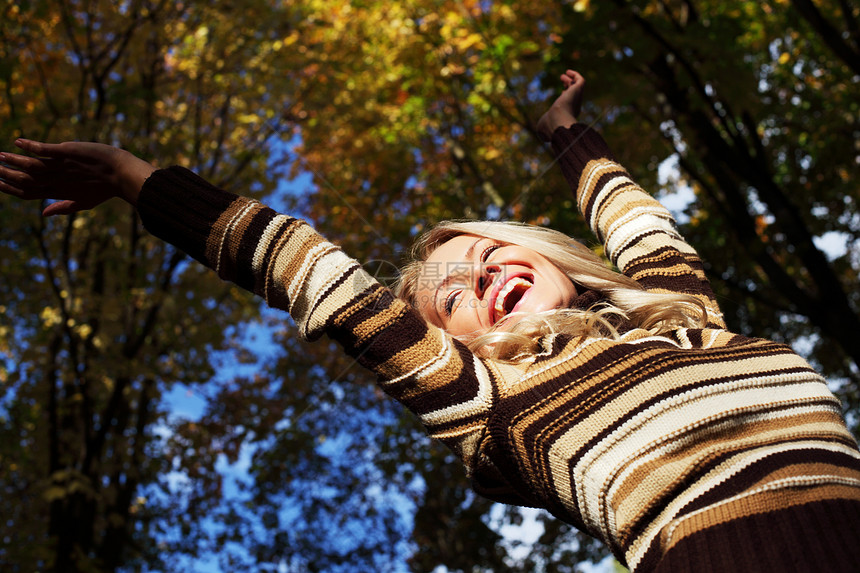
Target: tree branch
x=829, y=308
x=828, y=33
x=851, y=23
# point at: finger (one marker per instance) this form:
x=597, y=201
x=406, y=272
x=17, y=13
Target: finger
x=28, y=175
x=10, y=189
x=21, y=191
x=575, y=77
x=15, y=181
x=23, y=162
x=67, y=150
x=28, y=145
x=69, y=206
x=36, y=147
x=33, y=173
x=23, y=186
x=62, y=208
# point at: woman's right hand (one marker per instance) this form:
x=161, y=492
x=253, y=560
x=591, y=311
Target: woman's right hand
x=78, y=175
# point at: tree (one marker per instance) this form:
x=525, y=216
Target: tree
x=761, y=134
x=405, y=114
x=99, y=319
x=752, y=102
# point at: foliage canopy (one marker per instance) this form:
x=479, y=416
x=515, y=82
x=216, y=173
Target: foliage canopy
x=403, y=114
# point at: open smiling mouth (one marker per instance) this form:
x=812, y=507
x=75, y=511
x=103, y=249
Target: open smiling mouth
x=510, y=295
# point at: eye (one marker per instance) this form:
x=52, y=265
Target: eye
x=451, y=300
x=488, y=251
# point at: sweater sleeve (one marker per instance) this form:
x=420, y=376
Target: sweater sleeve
x=283, y=260
x=638, y=233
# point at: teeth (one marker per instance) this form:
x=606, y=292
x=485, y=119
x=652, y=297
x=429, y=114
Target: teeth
x=510, y=286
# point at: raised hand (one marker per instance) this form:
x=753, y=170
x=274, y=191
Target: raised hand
x=565, y=109
x=78, y=175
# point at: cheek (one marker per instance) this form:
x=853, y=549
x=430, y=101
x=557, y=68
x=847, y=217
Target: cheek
x=423, y=304
x=565, y=287
x=465, y=320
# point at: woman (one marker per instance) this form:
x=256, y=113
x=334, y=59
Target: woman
x=618, y=402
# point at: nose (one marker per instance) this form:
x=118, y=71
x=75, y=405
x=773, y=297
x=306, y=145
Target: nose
x=486, y=276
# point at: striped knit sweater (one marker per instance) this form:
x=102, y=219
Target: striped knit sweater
x=680, y=451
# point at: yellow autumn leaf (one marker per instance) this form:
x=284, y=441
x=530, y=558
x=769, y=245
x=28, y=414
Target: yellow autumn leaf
x=492, y=153
x=50, y=316
x=473, y=39
x=247, y=118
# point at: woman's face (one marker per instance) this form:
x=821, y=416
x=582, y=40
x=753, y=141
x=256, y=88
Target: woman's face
x=469, y=283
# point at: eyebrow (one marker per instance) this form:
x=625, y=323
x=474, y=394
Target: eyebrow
x=470, y=252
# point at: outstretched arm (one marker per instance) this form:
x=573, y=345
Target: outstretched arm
x=638, y=233
x=286, y=262
x=78, y=175
x=294, y=268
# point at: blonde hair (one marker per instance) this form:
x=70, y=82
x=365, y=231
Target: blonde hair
x=625, y=299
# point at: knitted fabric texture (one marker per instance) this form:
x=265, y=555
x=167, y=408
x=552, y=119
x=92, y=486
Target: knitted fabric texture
x=665, y=447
